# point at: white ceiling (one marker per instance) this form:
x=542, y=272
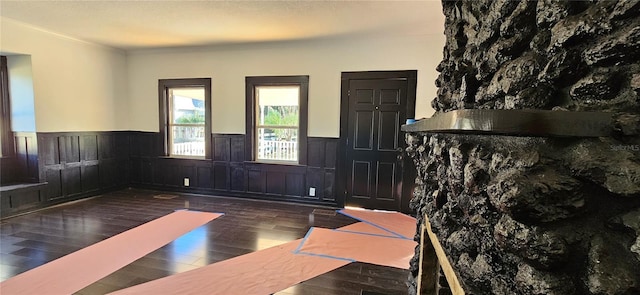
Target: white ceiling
x=149, y=24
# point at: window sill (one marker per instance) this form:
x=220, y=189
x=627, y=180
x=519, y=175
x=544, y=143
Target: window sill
x=275, y=163
x=184, y=158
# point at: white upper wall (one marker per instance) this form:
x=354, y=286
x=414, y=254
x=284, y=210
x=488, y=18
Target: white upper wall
x=77, y=86
x=322, y=60
x=80, y=86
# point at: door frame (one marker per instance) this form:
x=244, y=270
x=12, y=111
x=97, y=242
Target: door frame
x=341, y=168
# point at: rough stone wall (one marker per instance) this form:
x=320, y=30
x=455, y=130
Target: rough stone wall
x=521, y=215
x=507, y=54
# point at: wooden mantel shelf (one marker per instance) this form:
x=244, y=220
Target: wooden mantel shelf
x=517, y=123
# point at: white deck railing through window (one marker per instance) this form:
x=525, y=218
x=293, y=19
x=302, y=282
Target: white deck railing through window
x=267, y=149
x=194, y=148
x=188, y=140
x=278, y=150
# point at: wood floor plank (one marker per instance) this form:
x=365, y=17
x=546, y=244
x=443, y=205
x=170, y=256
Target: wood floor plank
x=33, y=239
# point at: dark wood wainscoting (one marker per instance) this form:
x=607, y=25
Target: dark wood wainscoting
x=321, y=170
x=7, y=170
x=78, y=164
x=228, y=163
x=19, y=190
x=73, y=165
x=17, y=198
x=51, y=168
x=169, y=173
x=21, y=166
x=229, y=173
x=26, y=156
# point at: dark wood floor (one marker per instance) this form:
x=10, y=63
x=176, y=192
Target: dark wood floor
x=34, y=239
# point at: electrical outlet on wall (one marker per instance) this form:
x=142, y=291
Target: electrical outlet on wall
x=186, y=181
x=312, y=192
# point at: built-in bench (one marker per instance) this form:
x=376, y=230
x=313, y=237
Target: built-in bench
x=20, y=197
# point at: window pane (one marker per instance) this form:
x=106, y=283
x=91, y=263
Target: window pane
x=188, y=106
x=187, y=140
x=277, y=105
x=279, y=144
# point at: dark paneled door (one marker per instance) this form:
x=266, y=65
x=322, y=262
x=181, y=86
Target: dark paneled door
x=373, y=172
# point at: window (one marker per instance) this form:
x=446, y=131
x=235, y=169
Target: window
x=6, y=139
x=277, y=122
x=277, y=119
x=185, y=117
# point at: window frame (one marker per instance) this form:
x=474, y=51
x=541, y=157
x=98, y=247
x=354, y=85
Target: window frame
x=164, y=107
x=250, y=135
x=7, y=146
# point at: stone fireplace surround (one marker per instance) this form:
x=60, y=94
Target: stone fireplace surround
x=544, y=214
